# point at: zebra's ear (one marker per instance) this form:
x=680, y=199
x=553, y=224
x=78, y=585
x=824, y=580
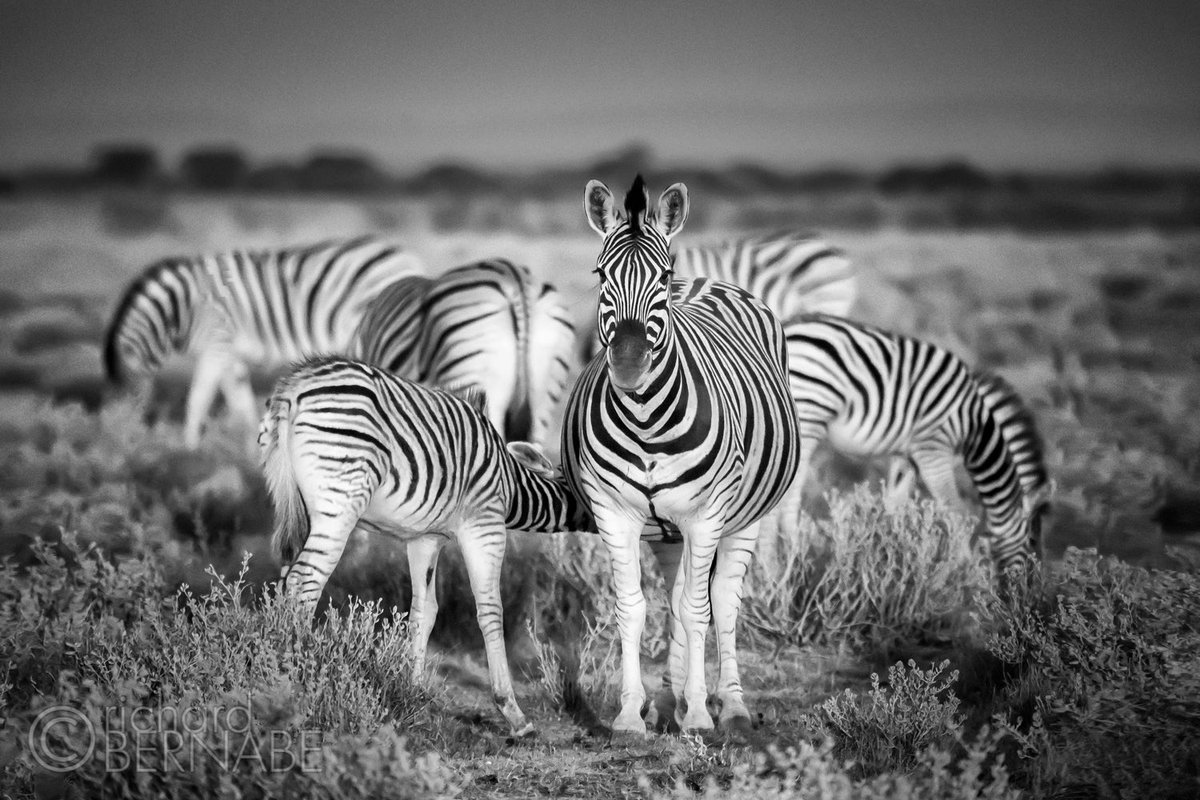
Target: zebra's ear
x=672, y=210
x=600, y=207
x=531, y=457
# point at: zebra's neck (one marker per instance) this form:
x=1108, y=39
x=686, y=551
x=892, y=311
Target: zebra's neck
x=538, y=503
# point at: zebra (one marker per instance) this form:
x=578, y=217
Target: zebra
x=239, y=307
x=792, y=272
x=684, y=418
x=872, y=392
x=345, y=444
x=488, y=324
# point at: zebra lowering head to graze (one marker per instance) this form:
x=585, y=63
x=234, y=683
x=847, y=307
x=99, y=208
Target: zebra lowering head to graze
x=792, y=272
x=872, y=392
x=487, y=324
x=684, y=417
x=345, y=445
x=242, y=307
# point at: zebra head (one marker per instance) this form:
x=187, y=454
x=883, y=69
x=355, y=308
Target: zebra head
x=152, y=321
x=635, y=272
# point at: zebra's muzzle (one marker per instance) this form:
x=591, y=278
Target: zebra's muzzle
x=628, y=355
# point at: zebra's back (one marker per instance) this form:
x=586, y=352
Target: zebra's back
x=792, y=272
x=873, y=391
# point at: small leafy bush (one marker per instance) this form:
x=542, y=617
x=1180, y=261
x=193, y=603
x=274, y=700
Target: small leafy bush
x=890, y=727
x=868, y=576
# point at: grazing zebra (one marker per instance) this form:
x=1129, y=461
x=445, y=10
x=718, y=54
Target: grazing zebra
x=345, y=445
x=241, y=307
x=487, y=324
x=790, y=271
x=872, y=392
x=684, y=418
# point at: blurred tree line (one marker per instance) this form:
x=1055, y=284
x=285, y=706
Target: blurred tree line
x=972, y=194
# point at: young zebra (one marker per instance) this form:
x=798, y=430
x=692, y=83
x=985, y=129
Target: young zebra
x=871, y=392
x=345, y=445
x=790, y=271
x=686, y=418
x=487, y=324
x=242, y=307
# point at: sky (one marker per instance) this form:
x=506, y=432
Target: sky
x=1045, y=84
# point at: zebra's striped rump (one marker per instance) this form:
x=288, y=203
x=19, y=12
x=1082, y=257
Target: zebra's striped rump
x=347, y=445
x=487, y=324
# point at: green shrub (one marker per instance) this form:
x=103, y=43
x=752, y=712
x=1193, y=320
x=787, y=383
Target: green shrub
x=867, y=576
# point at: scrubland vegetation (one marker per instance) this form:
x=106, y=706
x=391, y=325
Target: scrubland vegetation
x=875, y=651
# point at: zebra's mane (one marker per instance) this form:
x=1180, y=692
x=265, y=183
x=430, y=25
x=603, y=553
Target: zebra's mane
x=635, y=203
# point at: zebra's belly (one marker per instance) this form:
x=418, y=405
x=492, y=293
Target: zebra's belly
x=850, y=437
x=409, y=519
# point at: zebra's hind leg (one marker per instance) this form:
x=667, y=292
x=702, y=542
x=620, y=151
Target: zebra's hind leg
x=308, y=574
x=239, y=398
x=422, y=567
x=936, y=467
x=782, y=521
x=211, y=366
x=734, y=552
x=901, y=478
x=483, y=543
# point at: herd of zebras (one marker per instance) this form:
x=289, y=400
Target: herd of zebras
x=419, y=407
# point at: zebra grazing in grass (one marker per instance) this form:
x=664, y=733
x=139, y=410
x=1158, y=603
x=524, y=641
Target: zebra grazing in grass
x=790, y=271
x=684, y=418
x=872, y=392
x=345, y=444
x=241, y=307
x=487, y=324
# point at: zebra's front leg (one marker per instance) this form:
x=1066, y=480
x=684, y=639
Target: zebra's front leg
x=239, y=397
x=734, y=552
x=700, y=539
x=621, y=533
x=422, y=568
x=936, y=468
x=900, y=479
x=669, y=557
x=483, y=543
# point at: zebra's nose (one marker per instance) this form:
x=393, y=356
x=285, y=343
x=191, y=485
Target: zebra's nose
x=628, y=354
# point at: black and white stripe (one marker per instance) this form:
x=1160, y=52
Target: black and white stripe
x=241, y=307
x=685, y=417
x=345, y=445
x=872, y=392
x=487, y=324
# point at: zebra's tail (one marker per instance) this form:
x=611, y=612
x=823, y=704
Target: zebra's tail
x=518, y=421
x=274, y=441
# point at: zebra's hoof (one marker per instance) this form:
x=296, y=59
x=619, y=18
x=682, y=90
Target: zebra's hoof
x=737, y=728
x=526, y=732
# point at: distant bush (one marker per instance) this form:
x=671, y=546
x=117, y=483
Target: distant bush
x=867, y=576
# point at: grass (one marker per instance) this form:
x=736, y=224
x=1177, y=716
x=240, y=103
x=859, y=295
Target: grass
x=877, y=658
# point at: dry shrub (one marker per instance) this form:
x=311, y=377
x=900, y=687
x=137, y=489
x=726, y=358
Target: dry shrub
x=868, y=576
